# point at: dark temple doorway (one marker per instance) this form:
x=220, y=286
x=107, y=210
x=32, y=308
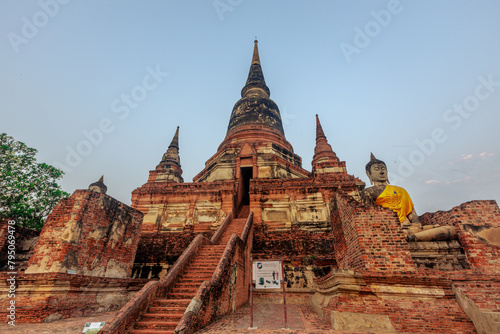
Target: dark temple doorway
x=246, y=174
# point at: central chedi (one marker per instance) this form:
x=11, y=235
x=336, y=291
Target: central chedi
x=255, y=137
x=254, y=169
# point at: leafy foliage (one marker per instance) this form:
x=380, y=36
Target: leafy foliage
x=28, y=190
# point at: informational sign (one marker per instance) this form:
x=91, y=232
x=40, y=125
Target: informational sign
x=267, y=274
x=93, y=327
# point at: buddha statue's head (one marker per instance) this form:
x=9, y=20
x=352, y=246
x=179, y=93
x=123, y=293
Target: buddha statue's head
x=376, y=170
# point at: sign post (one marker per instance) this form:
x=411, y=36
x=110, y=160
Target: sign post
x=251, y=298
x=268, y=274
x=251, y=306
x=284, y=294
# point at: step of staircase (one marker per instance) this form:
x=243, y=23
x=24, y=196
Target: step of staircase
x=202, y=268
x=163, y=317
x=150, y=331
x=181, y=295
x=187, y=285
x=211, y=252
x=207, y=248
x=193, y=280
x=212, y=257
x=156, y=325
x=202, y=271
x=244, y=211
x=198, y=274
x=184, y=290
x=165, y=302
x=203, y=262
x=165, y=309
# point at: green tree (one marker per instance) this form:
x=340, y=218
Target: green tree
x=28, y=190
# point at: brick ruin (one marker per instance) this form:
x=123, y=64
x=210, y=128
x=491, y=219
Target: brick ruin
x=179, y=257
x=394, y=288
x=80, y=263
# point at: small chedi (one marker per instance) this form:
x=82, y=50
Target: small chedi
x=180, y=256
x=398, y=200
x=99, y=186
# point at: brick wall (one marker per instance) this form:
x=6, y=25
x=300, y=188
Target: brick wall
x=295, y=245
x=305, y=254
x=420, y=301
x=163, y=247
x=483, y=294
x=175, y=207
x=52, y=296
x=442, y=315
x=88, y=233
x=478, y=228
x=157, y=252
x=368, y=238
x=386, y=290
x=282, y=203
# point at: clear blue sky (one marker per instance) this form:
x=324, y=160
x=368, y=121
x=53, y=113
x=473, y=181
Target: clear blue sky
x=415, y=82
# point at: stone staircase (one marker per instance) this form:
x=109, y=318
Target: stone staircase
x=244, y=211
x=236, y=226
x=164, y=314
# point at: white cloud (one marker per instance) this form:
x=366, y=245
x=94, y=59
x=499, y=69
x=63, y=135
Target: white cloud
x=461, y=180
x=486, y=154
x=471, y=157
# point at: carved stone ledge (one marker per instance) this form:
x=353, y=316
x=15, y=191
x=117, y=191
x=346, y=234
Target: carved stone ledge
x=439, y=255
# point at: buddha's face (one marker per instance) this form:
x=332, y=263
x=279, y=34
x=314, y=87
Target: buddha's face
x=378, y=173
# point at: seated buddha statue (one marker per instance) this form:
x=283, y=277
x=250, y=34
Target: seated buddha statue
x=398, y=200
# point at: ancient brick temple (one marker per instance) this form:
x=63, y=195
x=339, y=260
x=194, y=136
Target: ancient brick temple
x=180, y=257
x=254, y=170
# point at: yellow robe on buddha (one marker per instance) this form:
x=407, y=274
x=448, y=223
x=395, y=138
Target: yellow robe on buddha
x=396, y=199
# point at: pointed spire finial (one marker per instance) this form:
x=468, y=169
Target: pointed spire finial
x=255, y=57
x=324, y=159
x=170, y=164
x=172, y=155
x=175, y=140
x=372, y=157
x=255, y=76
x=101, y=179
x=319, y=129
